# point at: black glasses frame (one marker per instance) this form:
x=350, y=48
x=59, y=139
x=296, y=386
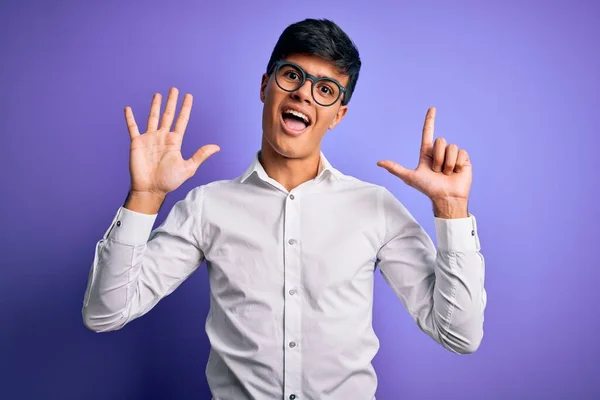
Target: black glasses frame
x=277, y=66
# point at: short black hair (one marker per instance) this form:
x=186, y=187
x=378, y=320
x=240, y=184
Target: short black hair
x=323, y=38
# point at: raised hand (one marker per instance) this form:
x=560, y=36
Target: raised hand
x=155, y=163
x=444, y=172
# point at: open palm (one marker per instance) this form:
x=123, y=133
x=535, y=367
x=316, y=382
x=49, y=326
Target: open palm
x=155, y=163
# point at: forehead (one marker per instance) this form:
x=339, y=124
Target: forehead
x=319, y=67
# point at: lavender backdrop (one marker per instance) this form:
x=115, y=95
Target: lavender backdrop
x=516, y=83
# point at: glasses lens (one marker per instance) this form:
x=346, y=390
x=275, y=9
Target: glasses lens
x=326, y=92
x=289, y=77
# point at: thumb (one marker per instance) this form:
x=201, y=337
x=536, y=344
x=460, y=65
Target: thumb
x=396, y=169
x=201, y=155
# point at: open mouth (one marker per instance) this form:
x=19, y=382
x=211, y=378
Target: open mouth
x=295, y=121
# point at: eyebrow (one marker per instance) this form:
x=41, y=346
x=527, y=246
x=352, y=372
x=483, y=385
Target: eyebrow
x=318, y=76
x=322, y=76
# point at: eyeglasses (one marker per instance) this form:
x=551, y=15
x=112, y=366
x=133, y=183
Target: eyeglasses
x=290, y=77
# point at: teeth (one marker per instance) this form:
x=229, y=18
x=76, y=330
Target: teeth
x=297, y=114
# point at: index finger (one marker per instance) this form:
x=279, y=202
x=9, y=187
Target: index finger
x=428, y=127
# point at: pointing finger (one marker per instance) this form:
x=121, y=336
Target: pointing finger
x=428, y=127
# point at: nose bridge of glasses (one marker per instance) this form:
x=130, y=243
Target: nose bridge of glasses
x=306, y=87
x=312, y=78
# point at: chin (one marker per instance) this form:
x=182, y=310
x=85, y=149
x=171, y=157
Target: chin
x=287, y=146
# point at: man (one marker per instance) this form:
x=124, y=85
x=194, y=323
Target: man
x=292, y=244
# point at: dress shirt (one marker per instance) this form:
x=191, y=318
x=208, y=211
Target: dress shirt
x=291, y=279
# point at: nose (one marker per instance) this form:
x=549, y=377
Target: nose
x=304, y=92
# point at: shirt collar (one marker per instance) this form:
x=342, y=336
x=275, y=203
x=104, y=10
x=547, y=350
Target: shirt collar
x=325, y=169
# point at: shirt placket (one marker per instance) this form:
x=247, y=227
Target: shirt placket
x=292, y=303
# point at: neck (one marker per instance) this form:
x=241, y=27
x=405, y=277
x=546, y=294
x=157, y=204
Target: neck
x=289, y=172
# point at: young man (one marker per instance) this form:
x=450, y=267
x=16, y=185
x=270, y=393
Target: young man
x=292, y=244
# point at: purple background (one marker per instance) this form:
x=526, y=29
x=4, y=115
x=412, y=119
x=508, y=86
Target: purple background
x=515, y=83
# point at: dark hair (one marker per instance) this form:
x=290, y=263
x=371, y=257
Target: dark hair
x=323, y=38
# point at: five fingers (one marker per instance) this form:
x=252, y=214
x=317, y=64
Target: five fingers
x=168, y=115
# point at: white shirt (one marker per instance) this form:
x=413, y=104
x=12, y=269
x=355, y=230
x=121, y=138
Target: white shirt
x=291, y=279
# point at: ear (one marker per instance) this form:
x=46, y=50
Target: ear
x=341, y=113
x=263, y=87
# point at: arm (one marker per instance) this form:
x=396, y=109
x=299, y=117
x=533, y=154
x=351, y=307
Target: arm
x=443, y=289
x=134, y=267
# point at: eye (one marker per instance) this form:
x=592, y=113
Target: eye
x=293, y=75
x=326, y=90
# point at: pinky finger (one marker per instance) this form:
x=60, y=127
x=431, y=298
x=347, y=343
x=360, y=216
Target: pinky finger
x=462, y=160
x=131, y=125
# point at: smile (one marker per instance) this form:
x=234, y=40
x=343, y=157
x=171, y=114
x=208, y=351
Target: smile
x=294, y=122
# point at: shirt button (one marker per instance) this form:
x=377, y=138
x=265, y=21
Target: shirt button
x=118, y=223
x=292, y=197
x=292, y=396
x=292, y=344
x=292, y=242
x=292, y=292
x=473, y=233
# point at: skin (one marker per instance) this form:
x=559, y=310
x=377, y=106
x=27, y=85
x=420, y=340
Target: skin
x=443, y=173
x=294, y=160
x=156, y=165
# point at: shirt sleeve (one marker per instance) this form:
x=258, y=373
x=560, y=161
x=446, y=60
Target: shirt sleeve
x=443, y=288
x=134, y=266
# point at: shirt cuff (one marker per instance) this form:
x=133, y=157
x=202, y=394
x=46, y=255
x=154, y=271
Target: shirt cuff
x=458, y=234
x=131, y=227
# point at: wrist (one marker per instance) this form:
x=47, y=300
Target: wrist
x=450, y=208
x=144, y=202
